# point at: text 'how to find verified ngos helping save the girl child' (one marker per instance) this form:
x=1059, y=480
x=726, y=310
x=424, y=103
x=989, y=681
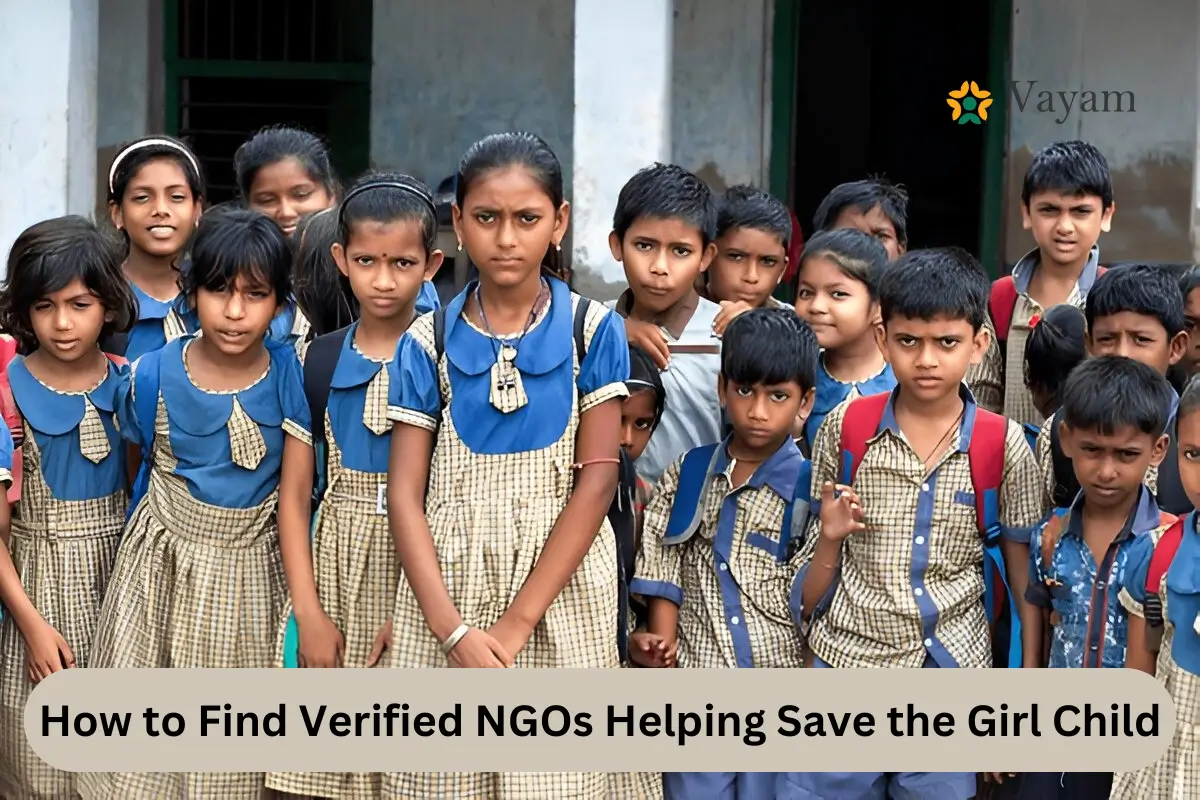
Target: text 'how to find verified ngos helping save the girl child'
x=598, y=720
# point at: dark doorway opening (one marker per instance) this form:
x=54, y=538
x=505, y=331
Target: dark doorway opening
x=873, y=79
x=235, y=67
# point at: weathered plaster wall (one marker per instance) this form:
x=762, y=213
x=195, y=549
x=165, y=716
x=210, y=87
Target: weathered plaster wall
x=1077, y=45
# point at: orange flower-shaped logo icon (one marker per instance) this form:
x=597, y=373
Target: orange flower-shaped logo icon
x=970, y=103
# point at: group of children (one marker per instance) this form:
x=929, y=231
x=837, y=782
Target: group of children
x=253, y=437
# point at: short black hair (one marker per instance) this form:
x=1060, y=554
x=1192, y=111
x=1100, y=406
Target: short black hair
x=769, y=346
x=238, y=242
x=666, y=191
x=136, y=154
x=924, y=284
x=1107, y=393
x=1055, y=347
x=644, y=376
x=1189, y=281
x=1189, y=400
x=1074, y=167
x=1146, y=289
x=747, y=207
x=891, y=198
x=46, y=257
x=858, y=255
x=387, y=197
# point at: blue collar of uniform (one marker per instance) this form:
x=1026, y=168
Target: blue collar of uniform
x=888, y=421
x=778, y=473
x=353, y=369
x=545, y=346
x=1144, y=517
x=1174, y=410
x=151, y=307
x=1023, y=270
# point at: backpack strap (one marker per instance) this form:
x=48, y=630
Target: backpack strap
x=146, y=383
x=986, y=457
x=319, y=364
x=688, y=508
x=859, y=425
x=1066, y=485
x=1001, y=304
x=795, y=516
x=9, y=349
x=1160, y=562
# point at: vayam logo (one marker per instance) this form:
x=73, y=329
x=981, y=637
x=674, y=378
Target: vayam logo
x=969, y=104
x=1033, y=96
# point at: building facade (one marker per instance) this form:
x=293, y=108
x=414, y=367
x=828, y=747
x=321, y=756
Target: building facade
x=791, y=95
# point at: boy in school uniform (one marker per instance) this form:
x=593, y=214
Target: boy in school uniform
x=1113, y=416
x=718, y=553
x=1135, y=311
x=882, y=585
x=880, y=208
x=1066, y=202
x=663, y=234
x=754, y=232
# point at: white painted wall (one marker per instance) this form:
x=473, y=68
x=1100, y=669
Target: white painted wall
x=47, y=111
x=622, y=121
x=1101, y=44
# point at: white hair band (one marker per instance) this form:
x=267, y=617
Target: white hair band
x=116, y=162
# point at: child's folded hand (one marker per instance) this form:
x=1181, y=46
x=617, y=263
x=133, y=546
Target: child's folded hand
x=650, y=338
x=841, y=512
x=651, y=650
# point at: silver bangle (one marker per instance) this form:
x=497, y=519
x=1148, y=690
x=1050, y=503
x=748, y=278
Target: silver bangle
x=453, y=639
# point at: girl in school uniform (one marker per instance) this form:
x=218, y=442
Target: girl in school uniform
x=65, y=291
x=386, y=247
x=155, y=191
x=225, y=435
x=510, y=560
x=1163, y=600
x=286, y=173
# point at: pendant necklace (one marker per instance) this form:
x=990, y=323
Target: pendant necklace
x=507, y=391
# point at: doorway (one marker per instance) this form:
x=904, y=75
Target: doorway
x=872, y=79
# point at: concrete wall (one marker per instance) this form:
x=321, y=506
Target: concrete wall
x=1100, y=45
x=440, y=84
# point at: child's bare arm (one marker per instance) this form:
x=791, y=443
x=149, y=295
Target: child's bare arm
x=596, y=453
x=1022, y=508
x=1138, y=653
x=658, y=570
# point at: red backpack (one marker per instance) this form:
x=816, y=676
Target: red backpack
x=1003, y=302
x=986, y=457
x=12, y=414
x=1160, y=562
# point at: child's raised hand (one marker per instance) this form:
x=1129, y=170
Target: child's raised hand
x=730, y=310
x=383, y=641
x=841, y=513
x=651, y=650
x=650, y=338
x=47, y=652
x=321, y=643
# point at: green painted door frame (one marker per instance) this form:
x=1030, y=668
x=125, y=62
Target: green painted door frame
x=991, y=220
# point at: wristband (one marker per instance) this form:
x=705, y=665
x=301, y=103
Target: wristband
x=453, y=639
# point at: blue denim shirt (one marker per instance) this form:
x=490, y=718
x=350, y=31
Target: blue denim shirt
x=1092, y=625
